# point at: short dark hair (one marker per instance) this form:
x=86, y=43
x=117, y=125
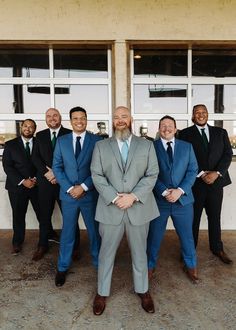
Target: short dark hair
x=75, y=109
x=167, y=117
x=29, y=119
x=199, y=106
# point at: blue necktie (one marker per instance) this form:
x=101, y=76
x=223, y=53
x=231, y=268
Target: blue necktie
x=77, y=147
x=170, y=151
x=124, y=151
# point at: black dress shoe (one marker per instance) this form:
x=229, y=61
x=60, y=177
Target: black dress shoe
x=147, y=302
x=54, y=237
x=223, y=257
x=99, y=304
x=16, y=249
x=60, y=278
x=39, y=253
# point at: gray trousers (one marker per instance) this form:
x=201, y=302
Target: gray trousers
x=111, y=236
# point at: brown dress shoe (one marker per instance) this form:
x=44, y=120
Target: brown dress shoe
x=147, y=302
x=223, y=257
x=60, y=278
x=39, y=253
x=16, y=250
x=99, y=304
x=191, y=274
x=151, y=272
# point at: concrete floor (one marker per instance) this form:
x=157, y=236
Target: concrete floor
x=29, y=298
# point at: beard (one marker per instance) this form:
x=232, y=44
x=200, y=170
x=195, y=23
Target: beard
x=123, y=134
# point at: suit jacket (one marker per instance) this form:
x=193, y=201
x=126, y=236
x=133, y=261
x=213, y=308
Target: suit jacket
x=181, y=173
x=139, y=177
x=17, y=165
x=70, y=171
x=219, y=154
x=43, y=151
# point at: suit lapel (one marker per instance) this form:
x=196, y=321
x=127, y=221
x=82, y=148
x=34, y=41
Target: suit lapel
x=84, y=149
x=163, y=154
x=116, y=151
x=132, y=148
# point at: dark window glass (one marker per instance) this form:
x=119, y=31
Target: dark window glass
x=80, y=63
x=160, y=62
x=214, y=63
x=24, y=63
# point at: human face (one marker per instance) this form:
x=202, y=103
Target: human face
x=200, y=116
x=78, y=122
x=53, y=118
x=167, y=129
x=27, y=129
x=122, y=119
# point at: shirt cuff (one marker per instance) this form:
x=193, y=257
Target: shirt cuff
x=181, y=190
x=219, y=173
x=113, y=202
x=69, y=189
x=136, y=198
x=83, y=185
x=200, y=174
x=20, y=183
x=165, y=193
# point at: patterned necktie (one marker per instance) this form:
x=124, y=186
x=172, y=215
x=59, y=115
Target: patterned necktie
x=124, y=151
x=54, y=139
x=77, y=147
x=27, y=149
x=204, y=138
x=170, y=152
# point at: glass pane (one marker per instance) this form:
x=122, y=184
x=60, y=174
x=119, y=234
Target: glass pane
x=160, y=63
x=24, y=98
x=24, y=63
x=80, y=63
x=94, y=98
x=217, y=98
x=214, y=63
x=152, y=127
x=160, y=99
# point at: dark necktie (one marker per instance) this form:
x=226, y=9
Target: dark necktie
x=77, y=147
x=204, y=138
x=170, y=151
x=54, y=140
x=27, y=149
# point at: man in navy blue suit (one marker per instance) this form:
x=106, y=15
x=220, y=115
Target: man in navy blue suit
x=71, y=166
x=173, y=192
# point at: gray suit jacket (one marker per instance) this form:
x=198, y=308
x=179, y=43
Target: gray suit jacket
x=138, y=177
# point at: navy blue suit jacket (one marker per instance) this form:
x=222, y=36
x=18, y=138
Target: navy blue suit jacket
x=181, y=173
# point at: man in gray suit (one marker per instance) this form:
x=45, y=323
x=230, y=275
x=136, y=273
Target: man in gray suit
x=124, y=171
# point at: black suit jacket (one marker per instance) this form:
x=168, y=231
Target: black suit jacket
x=43, y=152
x=17, y=165
x=219, y=154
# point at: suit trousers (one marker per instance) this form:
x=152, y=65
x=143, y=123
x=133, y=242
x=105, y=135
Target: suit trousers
x=111, y=236
x=210, y=199
x=19, y=203
x=70, y=213
x=182, y=217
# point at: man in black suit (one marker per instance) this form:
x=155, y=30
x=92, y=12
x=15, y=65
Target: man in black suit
x=47, y=184
x=214, y=154
x=21, y=180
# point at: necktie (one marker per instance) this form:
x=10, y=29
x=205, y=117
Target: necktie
x=54, y=139
x=170, y=151
x=204, y=138
x=27, y=149
x=77, y=147
x=124, y=151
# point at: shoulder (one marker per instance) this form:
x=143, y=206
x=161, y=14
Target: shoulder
x=42, y=133
x=143, y=142
x=64, y=130
x=12, y=143
x=183, y=144
x=93, y=136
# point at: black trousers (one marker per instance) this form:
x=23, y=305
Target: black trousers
x=211, y=199
x=19, y=201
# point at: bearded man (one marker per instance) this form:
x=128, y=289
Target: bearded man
x=124, y=171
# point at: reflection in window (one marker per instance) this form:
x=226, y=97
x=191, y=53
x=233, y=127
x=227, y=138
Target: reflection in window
x=94, y=98
x=80, y=63
x=160, y=99
x=24, y=63
x=160, y=62
x=214, y=63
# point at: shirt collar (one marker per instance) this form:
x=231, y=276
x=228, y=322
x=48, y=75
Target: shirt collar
x=54, y=130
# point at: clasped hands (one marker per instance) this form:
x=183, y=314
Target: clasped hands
x=77, y=192
x=209, y=177
x=49, y=175
x=29, y=183
x=124, y=200
x=173, y=195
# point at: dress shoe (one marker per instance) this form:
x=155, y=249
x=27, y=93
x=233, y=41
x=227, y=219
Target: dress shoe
x=147, y=302
x=39, y=253
x=99, y=304
x=16, y=250
x=60, y=278
x=151, y=272
x=223, y=257
x=192, y=274
x=54, y=237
